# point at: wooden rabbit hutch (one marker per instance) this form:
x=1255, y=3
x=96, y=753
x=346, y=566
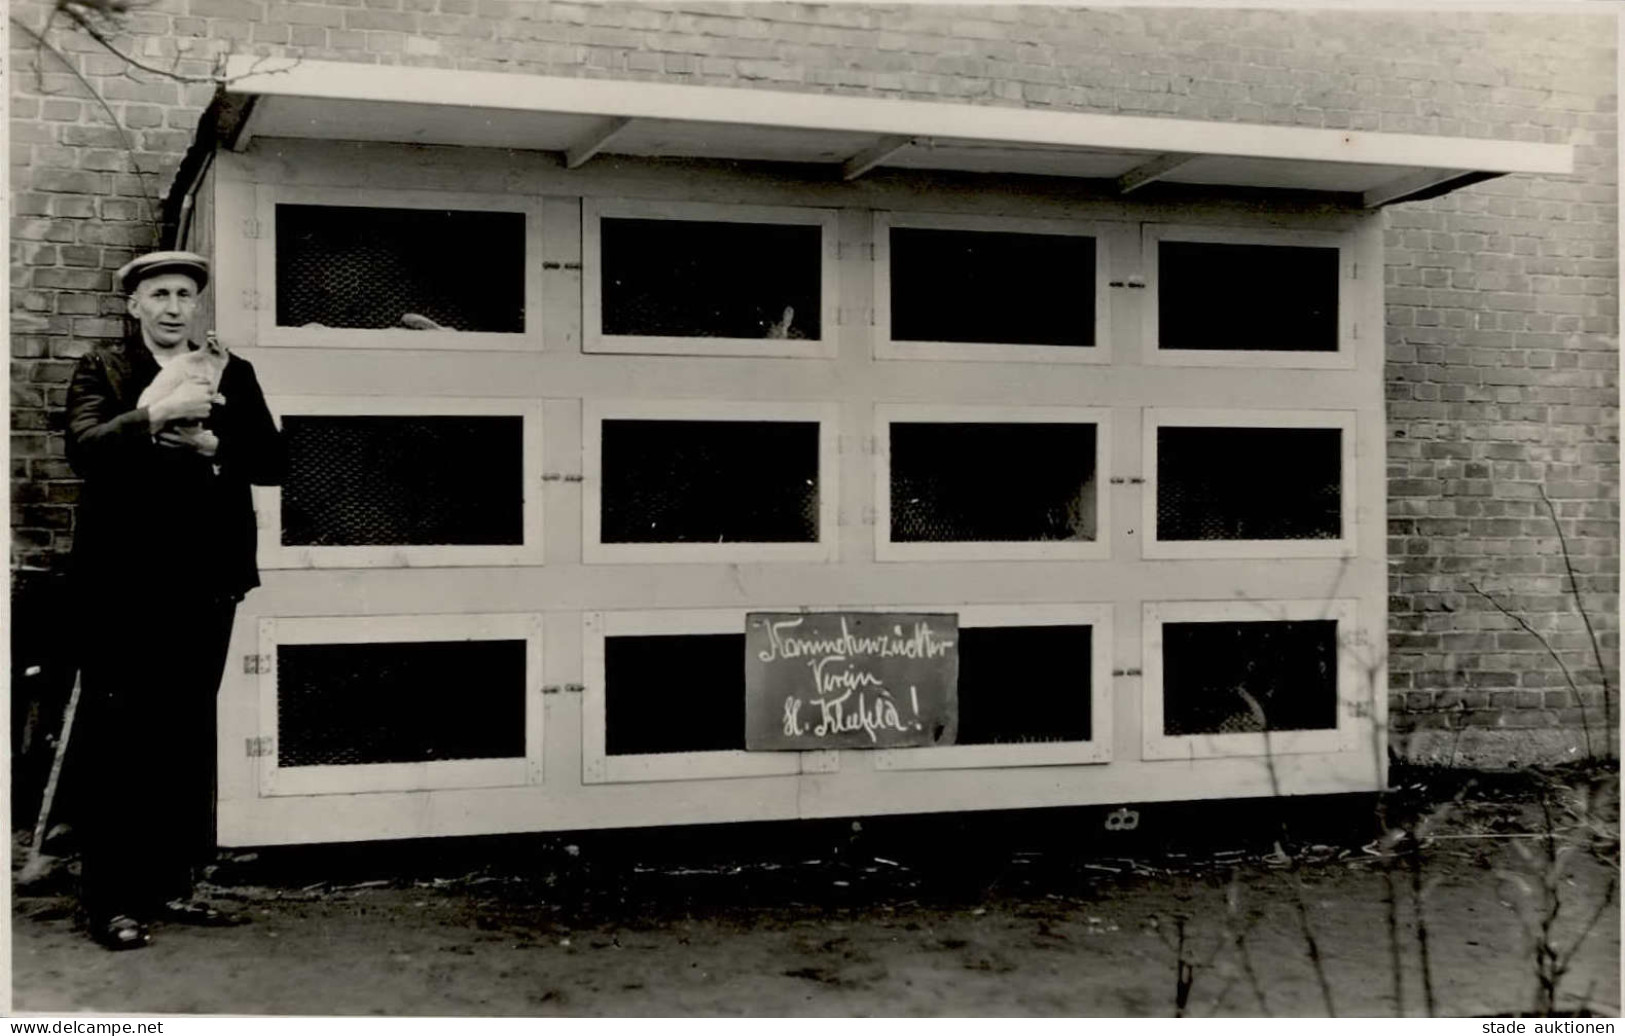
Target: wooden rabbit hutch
x=578, y=375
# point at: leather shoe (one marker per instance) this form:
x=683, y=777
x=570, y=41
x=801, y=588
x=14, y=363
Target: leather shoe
x=122, y=932
x=194, y=912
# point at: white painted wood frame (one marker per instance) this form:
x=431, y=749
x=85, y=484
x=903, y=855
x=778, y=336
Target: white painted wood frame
x=276, y=780
x=1097, y=749
x=886, y=348
x=445, y=93
x=593, y=339
x=595, y=412
x=1352, y=708
x=1348, y=301
x=264, y=297
x=273, y=554
x=887, y=414
x=598, y=767
x=1152, y=546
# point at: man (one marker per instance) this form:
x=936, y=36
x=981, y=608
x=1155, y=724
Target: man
x=163, y=551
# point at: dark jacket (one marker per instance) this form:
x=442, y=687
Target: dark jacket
x=160, y=521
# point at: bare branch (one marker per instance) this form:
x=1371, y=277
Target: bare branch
x=76, y=14
x=1568, y=677
x=1585, y=616
x=129, y=144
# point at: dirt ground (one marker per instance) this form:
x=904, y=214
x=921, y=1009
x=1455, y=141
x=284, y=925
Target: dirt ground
x=1030, y=914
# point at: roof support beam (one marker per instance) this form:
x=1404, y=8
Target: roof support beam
x=870, y=157
x=1427, y=183
x=1155, y=169
x=241, y=131
x=577, y=154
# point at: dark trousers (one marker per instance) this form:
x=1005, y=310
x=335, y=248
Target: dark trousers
x=149, y=686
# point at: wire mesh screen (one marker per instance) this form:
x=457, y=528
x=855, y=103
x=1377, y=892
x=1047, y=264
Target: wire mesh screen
x=697, y=278
x=982, y=286
x=1227, y=296
x=992, y=483
x=392, y=481
x=400, y=702
x=1249, y=483
x=1288, y=668
x=339, y=266
x=709, y=482
x=1024, y=684
x=674, y=693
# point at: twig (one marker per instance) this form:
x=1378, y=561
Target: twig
x=78, y=18
x=217, y=78
x=129, y=144
x=1585, y=616
x=1607, y=900
x=1292, y=878
x=1568, y=677
x=1414, y=857
x=1394, y=957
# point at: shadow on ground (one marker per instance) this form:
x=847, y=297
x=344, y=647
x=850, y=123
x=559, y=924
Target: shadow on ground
x=1198, y=908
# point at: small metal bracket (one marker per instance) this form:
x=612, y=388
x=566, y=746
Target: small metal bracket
x=1123, y=819
x=554, y=476
x=549, y=265
x=253, y=664
x=1125, y=672
x=1131, y=480
x=258, y=747
x=1131, y=282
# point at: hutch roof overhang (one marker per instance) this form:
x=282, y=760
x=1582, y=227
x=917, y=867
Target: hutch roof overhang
x=581, y=117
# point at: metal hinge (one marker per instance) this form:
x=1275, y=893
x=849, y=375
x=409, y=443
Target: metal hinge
x=554, y=476
x=1136, y=281
x=251, y=228
x=1132, y=480
x=256, y=663
x=568, y=688
x=258, y=747
x=560, y=266
x=1125, y=672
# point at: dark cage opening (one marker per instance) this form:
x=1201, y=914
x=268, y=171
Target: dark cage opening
x=400, y=702
x=1249, y=483
x=1024, y=684
x=1275, y=298
x=711, y=279
x=992, y=483
x=674, y=693
x=709, y=481
x=992, y=287
x=353, y=267
x=1289, y=668
x=395, y=481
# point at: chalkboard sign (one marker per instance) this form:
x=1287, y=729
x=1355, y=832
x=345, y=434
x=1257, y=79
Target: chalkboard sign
x=850, y=680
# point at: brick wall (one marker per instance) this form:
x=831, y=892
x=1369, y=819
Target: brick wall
x=1502, y=299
